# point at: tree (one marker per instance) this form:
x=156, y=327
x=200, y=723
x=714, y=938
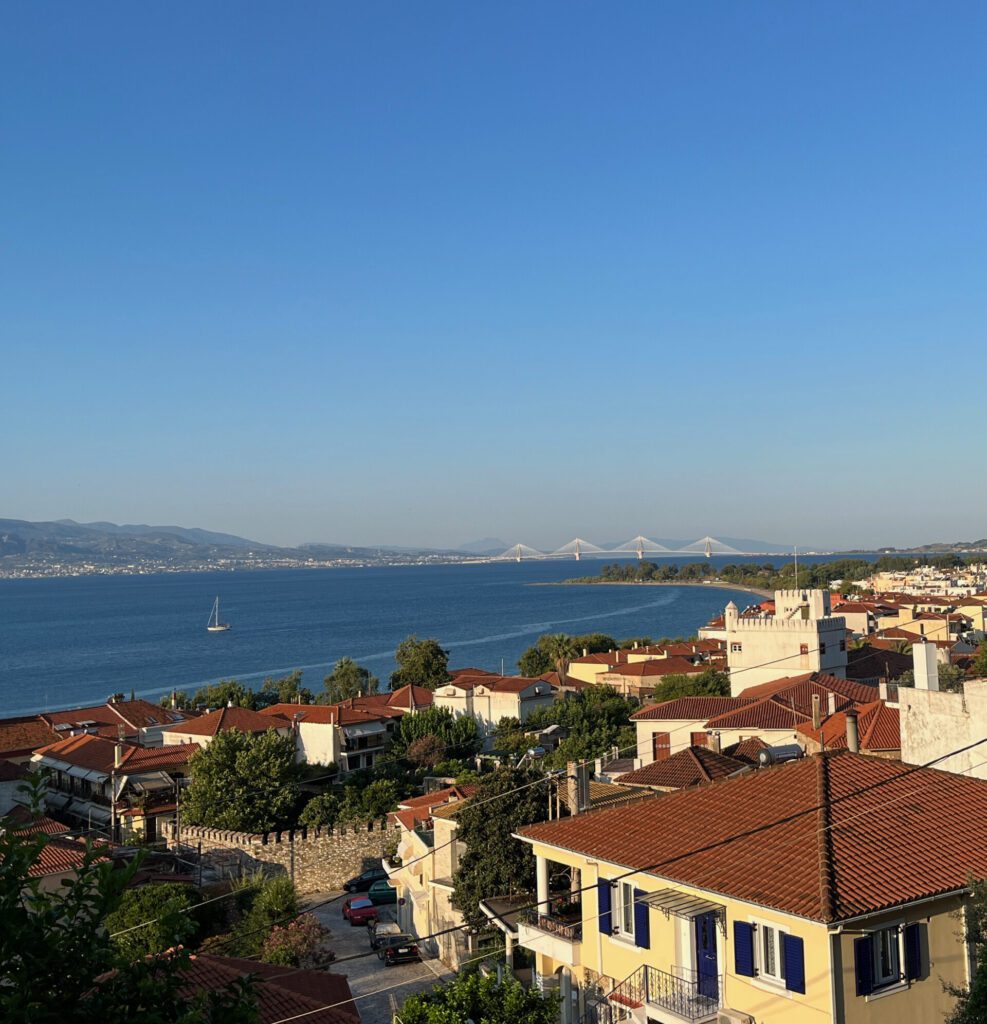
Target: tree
x=226, y=691
x=538, y=659
x=460, y=735
x=509, y=737
x=596, y=719
x=299, y=943
x=243, y=782
x=167, y=906
x=348, y=679
x=980, y=661
x=473, y=997
x=708, y=683
x=971, y=1006
x=950, y=678
x=286, y=690
x=496, y=864
x=420, y=663
x=560, y=650
x=321, y=811
x=275, y=903
x=369, y=803
x=54, y=945
x=426, y=752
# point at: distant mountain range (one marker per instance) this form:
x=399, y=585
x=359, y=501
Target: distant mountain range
x=52, y=548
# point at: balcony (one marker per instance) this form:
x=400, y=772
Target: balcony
x=557, y=934
x=682, y=994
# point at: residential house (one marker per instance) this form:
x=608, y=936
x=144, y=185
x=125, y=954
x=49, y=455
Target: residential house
x=488, y=699
x=829, y=888
x=693, y=766
x=877, y=731
x=124, y=790
x=60, y=858
x=640, y=679
x=428, y=854
x=12, y=779
x=204, y=729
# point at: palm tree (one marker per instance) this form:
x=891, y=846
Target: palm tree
x=561, y=650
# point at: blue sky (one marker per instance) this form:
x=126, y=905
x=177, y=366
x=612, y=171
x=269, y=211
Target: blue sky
x=420, y=273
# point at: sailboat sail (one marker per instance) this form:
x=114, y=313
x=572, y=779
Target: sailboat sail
x=214, y=625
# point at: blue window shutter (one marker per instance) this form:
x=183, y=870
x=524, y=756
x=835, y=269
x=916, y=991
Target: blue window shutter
x=642, y=923
x=603, y=900
x=743, y=948
x=863, y=959
x=913, y=951
x=794, y=963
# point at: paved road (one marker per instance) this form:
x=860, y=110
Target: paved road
x=384, y=988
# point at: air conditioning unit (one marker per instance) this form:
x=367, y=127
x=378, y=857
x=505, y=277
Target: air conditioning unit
x=733, y=1017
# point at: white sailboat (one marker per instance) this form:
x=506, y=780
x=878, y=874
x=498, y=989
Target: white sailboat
x=214, y=625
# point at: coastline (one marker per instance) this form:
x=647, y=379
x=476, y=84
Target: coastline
x=711, y=585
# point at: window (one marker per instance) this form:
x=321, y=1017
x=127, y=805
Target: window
x=699, y=739
x=661, y=745
x=887, y=957
x=772, y=954
x=627, y=909
x=736, y=648
x=803, y=648
x=843, y=645
x=822, y=648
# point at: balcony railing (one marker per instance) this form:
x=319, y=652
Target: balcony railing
x=692, y=998
x=570, y=929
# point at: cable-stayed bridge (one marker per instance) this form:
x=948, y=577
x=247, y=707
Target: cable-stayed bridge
x=638, y=547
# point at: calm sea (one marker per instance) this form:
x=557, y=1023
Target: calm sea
x=66, y=642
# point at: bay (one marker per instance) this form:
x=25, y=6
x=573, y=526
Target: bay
x=75, y=640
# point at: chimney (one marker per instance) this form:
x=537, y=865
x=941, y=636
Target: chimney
x=635, y=645
x=926, y=666
x=582, y=794
x=117, y=754
x=816, y=712
x=832, y=702
x=714, y=742
x=585, y=652
x=852, y=735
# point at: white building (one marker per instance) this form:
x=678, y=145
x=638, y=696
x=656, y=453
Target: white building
x=801, y=636
x=488, y=699
x=934, y=722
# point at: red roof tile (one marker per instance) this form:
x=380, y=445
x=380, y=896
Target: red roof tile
x=878, y=729
x=690, y=767
x=20, y=736
x=690, y=709
x=747, y=750
x=658, y=667
x=97, y=753
x=828, y=837
x=223, y=719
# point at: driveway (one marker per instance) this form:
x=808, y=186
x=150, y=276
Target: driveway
x=367, y=976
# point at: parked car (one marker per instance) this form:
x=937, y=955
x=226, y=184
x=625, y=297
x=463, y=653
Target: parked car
x=359, y=910
x=363, y=882
x=399, y=949
x=381, y=931
x=381, y=893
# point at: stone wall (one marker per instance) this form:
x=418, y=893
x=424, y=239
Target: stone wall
x=318, y=860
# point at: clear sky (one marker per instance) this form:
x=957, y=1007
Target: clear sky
x=425, y=272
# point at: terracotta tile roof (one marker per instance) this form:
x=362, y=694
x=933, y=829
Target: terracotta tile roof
x=689, y=709
x=689, y=767
x=601, y=658
x=401, y=697
x=497, y=684
x=828, y=837
x=878, y=729
x=133, y=714
x=604, y=794
x=223, y=719
x=32, y=824
x=281, y=991
x=418, y=809
x=97, y=754
x=872, y=662
x=658, y=667
x=59, y=856
x=747, y=750
x=319, y=714
x=20, y=736
x=801, y=688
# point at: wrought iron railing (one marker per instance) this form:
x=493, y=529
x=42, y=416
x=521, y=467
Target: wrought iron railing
x=694, y=997
x=570, y=930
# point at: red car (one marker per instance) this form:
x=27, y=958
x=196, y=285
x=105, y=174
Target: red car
x=359, y=910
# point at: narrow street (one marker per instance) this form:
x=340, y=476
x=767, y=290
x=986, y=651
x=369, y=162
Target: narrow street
x=379, y=990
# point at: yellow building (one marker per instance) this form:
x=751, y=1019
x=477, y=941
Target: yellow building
x=826, y=889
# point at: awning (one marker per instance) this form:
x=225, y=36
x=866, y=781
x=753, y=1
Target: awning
x=681, y=904
x=364, y=729
x=149, y=782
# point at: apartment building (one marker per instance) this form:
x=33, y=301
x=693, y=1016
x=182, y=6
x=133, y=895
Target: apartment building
x=488, y=699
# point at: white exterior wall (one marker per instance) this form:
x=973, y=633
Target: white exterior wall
x=762, y=649
x=680, y=733
x=488, y=706
x=317, y=743
x=934, y=722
